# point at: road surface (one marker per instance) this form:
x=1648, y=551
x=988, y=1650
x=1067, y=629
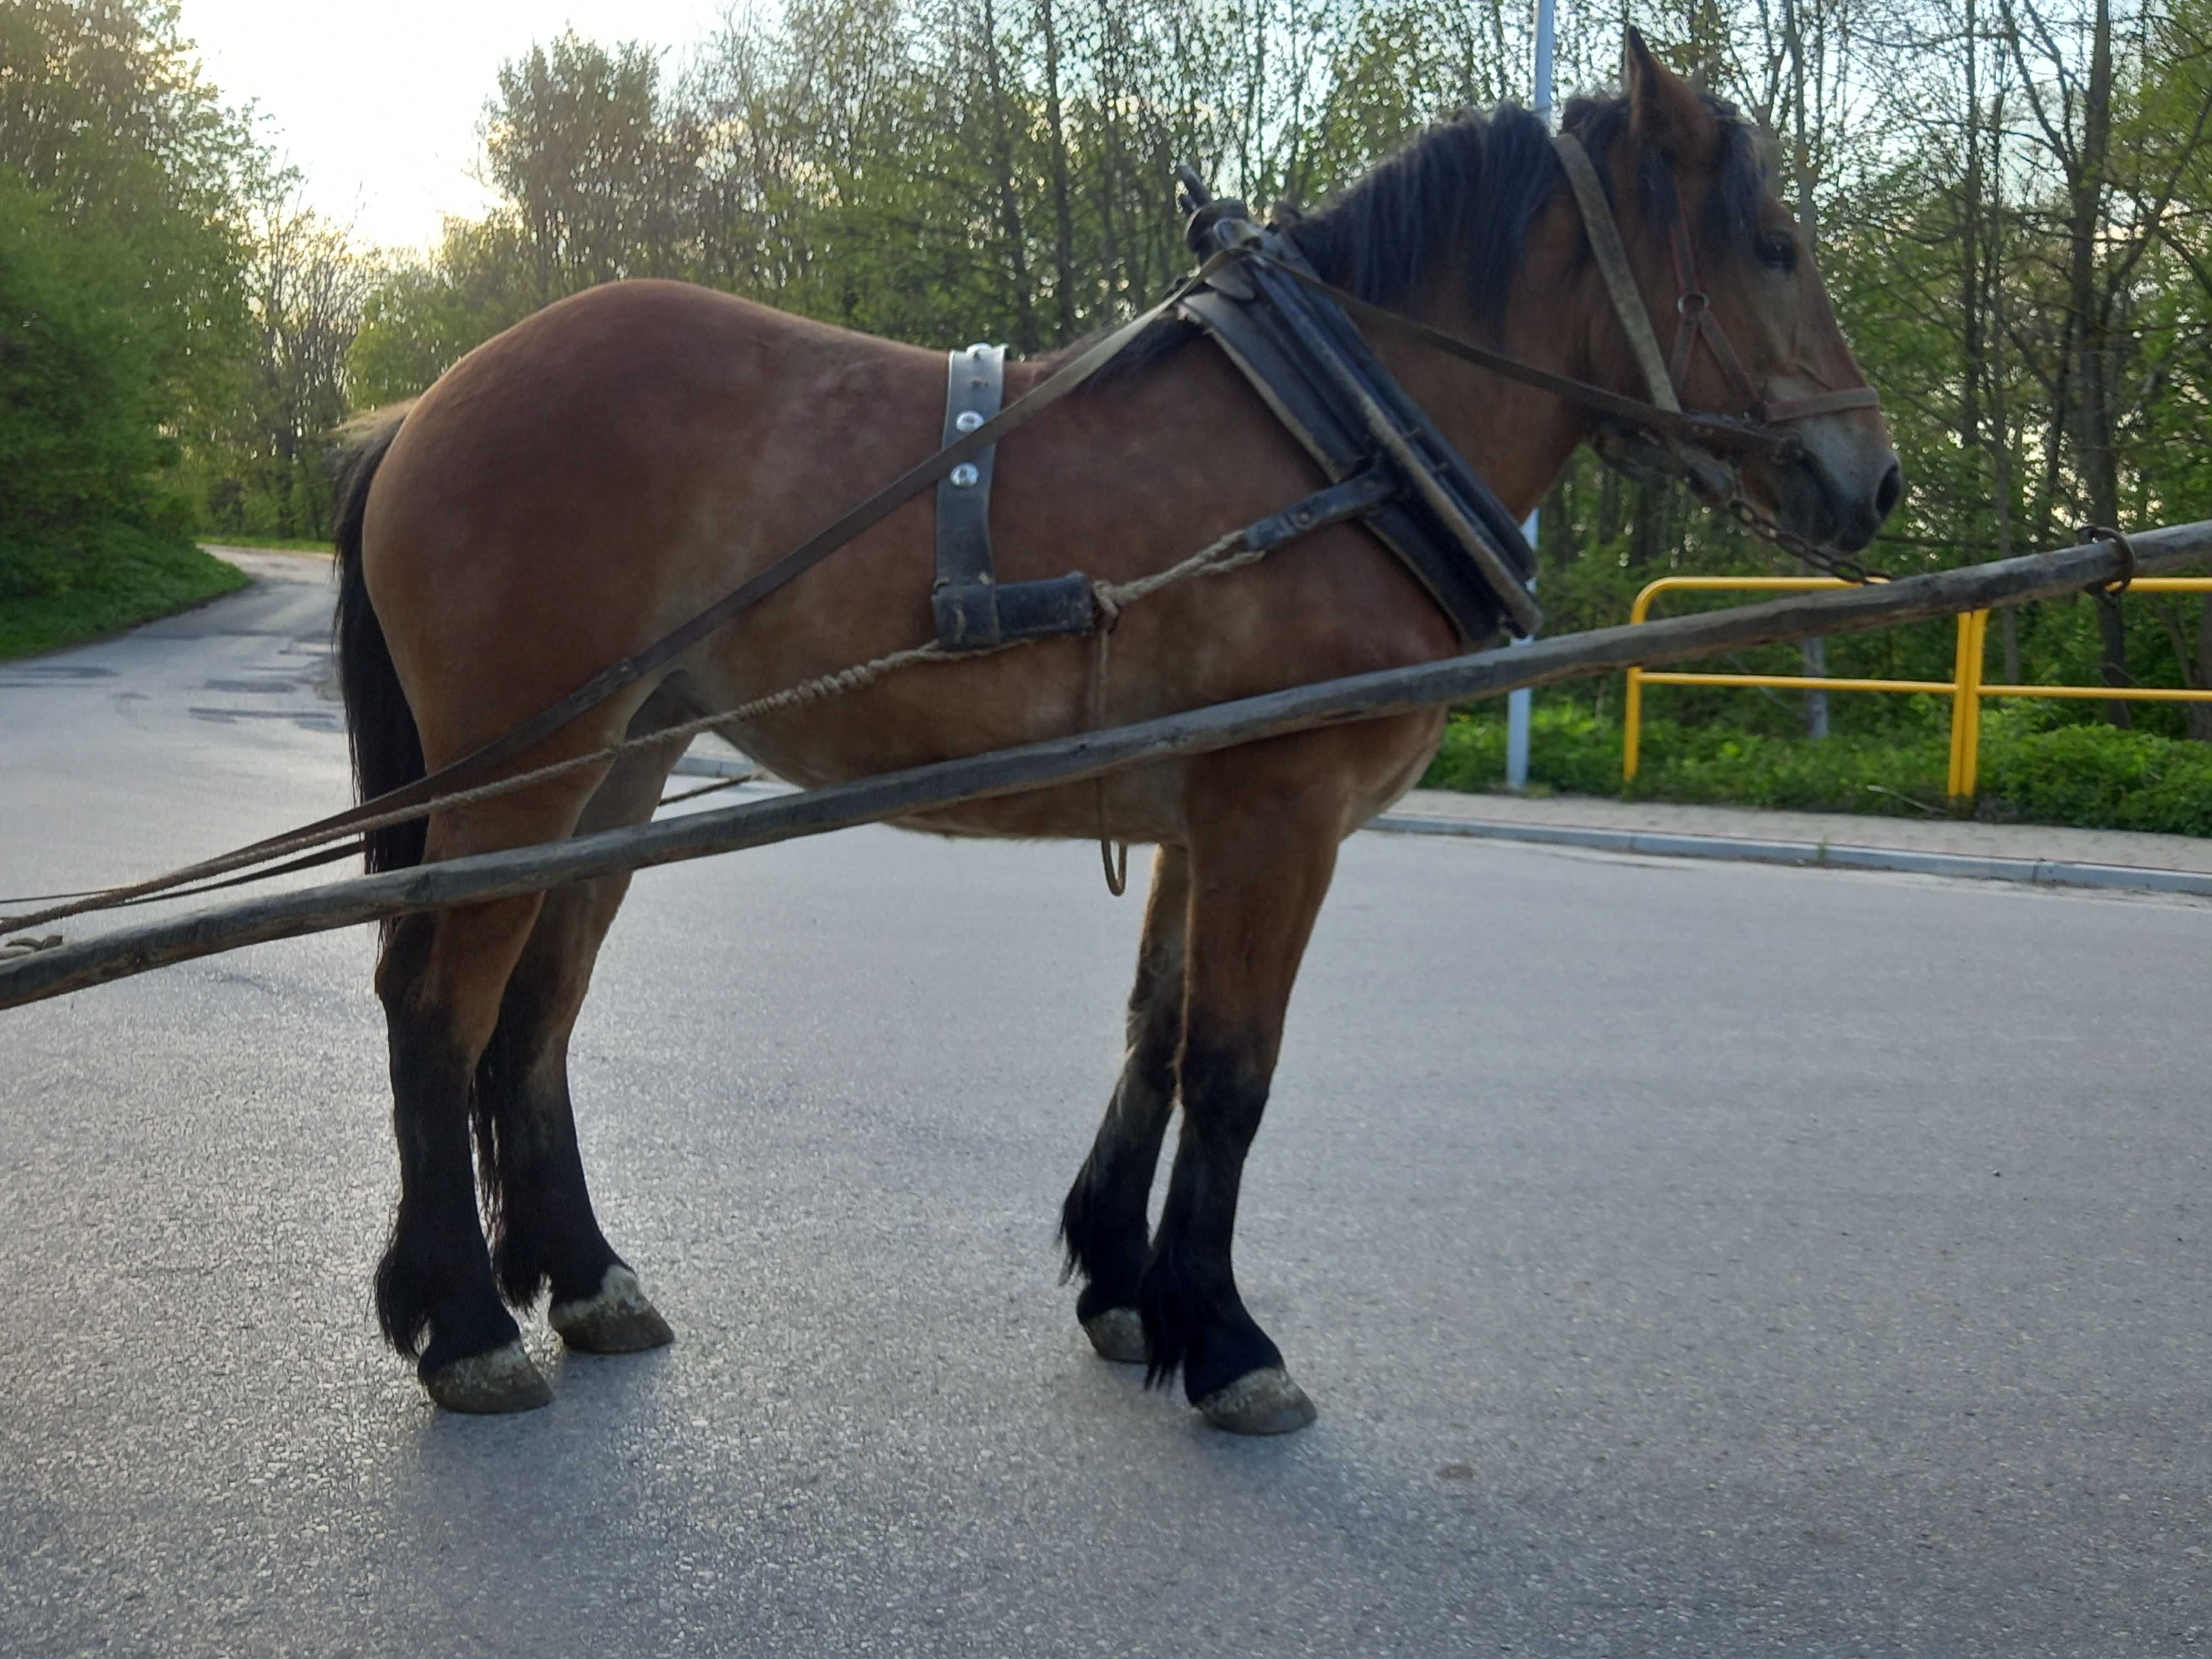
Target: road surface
x=1686, y=1258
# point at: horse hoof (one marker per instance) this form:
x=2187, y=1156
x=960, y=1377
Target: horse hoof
x=503, y=1380
x=1119, y=1336
x=1265, y=1401
x=615, y=1319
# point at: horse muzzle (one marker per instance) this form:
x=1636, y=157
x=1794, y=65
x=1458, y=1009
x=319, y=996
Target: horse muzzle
x=1833, y=495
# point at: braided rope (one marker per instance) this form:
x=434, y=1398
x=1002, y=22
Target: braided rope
x=1110, y=599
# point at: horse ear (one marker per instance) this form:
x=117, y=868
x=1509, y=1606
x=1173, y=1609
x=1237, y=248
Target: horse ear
x=1665, y=110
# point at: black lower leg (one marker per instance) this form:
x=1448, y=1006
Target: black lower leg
x=434, y=1294
x=1194, y=1320
x=1104, y=1222
x=543, y=1230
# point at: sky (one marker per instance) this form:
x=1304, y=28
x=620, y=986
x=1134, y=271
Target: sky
x=376, y=101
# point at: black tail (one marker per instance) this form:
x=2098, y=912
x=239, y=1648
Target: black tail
x=387, y=750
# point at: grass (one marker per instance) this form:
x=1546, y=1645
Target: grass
x=120, y=577
x=2086, y=776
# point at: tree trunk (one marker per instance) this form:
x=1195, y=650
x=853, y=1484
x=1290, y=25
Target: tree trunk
x=1813, y=652
x=2003, y=484
x=1010, y=205
x=1063, y=245
x=2093, y=340
x=2200, y=713
x=1647, y=528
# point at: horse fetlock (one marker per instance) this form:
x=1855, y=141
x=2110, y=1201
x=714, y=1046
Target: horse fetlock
x=1195, y=1324
x=1106, y=1238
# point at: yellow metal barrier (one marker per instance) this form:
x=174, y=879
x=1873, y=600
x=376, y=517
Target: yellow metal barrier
x=1966, y=687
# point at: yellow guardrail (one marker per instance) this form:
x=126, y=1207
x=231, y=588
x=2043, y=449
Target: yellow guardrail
x=1965, y=688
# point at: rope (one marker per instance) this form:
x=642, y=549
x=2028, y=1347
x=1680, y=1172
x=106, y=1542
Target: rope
x=1111, y=599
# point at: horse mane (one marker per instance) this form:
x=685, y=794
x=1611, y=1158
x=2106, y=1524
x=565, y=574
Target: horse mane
x=1474, y=183
x=1471, y=187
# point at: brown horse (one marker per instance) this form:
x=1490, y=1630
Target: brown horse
x=589, y=479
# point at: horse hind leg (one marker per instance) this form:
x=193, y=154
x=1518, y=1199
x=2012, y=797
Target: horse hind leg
x=441, y=978
x=1104, y=1222
x=544, y=1233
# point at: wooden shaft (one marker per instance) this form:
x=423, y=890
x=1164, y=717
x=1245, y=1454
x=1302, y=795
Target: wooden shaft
x=487, y=876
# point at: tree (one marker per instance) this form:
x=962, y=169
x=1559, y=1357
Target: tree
x=121, y=302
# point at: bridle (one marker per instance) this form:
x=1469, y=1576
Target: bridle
x=1764, y=420
x=1653, y=437
x=1694, y=322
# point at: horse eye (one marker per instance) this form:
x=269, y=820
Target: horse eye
x=1779, y=249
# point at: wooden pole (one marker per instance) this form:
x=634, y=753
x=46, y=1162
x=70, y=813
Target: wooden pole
x=134, y=950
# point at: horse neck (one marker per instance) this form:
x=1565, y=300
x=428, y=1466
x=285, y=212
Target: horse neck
x=1518, y=438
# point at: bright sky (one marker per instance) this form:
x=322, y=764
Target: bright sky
x=377, y=103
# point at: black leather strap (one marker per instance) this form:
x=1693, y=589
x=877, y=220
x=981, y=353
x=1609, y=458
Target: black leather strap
x=964, y=598
x=1318, y=377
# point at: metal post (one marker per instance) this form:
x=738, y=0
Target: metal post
x=1517, y=703
x=1544, y=21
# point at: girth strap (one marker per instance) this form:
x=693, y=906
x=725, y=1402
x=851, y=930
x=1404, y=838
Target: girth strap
x=974, y=611
x=966, y=609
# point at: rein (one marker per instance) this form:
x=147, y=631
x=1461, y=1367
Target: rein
x=1680, y=449
x=455, y=776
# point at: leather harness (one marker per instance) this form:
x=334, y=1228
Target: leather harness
x=1473, y=563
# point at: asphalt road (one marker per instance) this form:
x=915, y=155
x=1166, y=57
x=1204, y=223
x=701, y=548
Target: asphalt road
x=1686, y=1258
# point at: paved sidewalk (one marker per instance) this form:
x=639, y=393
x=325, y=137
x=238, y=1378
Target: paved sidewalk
x=2009, y=852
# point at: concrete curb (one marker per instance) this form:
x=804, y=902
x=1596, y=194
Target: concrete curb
x=2047, y=872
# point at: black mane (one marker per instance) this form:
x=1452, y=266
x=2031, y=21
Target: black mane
x=1474, y=185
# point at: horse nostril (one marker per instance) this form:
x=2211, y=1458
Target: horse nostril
x=1889, y=491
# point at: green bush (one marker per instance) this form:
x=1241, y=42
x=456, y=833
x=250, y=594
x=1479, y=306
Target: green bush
x=2095, y=776
x=2031, y=771
x=115, y=575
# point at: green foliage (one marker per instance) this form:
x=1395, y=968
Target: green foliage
x=116, y=575
x=2088, y=775
x=2092, y=775
x=80, y=409
x=1573, y=749
x=120, y=314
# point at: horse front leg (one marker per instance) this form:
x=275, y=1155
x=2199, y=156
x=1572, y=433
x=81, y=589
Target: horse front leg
x=1104, y=1222
x=1261, y=861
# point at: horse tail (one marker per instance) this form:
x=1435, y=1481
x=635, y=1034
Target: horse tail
x=387, y=749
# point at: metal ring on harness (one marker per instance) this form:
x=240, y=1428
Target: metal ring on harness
x=2096, y=532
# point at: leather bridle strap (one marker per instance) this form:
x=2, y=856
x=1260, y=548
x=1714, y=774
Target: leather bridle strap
x=1694, y=308
x=1676, y=422
x=1612, y=258
x=1694, y=311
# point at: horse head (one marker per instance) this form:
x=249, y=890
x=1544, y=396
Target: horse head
x=1736, y=304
